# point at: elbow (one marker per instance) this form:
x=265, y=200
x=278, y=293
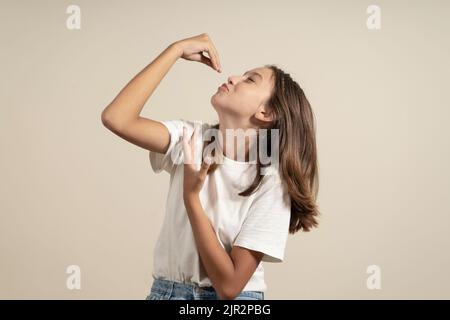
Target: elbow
x=109, y=122
x=106, y=119
x=227, y=293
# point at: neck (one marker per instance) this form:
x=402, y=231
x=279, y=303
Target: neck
x=233, y=145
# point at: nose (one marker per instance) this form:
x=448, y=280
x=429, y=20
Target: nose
x=233, y=79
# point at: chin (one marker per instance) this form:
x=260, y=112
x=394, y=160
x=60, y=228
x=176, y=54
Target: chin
x=216, y=104
x=222, y=105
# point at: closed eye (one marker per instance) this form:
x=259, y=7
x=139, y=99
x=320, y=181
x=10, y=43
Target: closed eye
x=250, y=79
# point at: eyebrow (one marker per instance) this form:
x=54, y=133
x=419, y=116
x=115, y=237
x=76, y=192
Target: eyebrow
x=254, y=72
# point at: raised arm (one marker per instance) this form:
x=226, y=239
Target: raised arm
x=122, y=115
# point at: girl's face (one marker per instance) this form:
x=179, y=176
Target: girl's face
x=246, y=95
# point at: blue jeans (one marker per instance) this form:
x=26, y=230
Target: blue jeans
x=171, y=290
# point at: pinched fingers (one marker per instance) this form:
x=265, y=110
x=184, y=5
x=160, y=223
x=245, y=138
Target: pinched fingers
x=214, y=55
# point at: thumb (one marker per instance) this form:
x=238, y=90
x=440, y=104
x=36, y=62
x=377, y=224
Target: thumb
x=206, y=60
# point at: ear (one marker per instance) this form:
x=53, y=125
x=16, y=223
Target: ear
x=265, y=114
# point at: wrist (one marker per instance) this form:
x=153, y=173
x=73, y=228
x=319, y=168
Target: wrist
x=175, y=47
x=191, y=197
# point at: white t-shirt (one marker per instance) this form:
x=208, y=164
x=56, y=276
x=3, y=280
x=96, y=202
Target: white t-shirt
x=259, y=222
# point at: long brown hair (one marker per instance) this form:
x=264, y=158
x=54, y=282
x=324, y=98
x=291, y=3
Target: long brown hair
x=298, y=165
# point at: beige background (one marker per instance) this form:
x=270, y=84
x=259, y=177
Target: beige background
x=74, y=193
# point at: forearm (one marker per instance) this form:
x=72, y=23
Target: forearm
x=216, y=260
x=128, y=104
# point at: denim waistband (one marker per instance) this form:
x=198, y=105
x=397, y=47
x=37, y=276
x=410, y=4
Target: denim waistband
x=165, y=285
x=168, y=288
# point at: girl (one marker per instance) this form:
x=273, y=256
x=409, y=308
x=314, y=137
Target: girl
x=225, y=218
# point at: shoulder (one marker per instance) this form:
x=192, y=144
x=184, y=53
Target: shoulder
x=191, y=124
x=273, y=187
x=175, y=128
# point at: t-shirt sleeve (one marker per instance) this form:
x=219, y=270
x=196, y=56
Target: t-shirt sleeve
x=173, y=155
x=266, y=227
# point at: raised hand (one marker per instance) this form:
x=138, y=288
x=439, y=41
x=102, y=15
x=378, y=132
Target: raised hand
x=192, y=49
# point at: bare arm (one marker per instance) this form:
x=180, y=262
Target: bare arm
x=122, y=115
x=229, y=273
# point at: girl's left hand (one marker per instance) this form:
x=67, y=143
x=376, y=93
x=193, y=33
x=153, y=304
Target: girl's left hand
x=193, y=178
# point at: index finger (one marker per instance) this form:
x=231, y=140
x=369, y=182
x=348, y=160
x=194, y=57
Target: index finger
x=216, y=55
